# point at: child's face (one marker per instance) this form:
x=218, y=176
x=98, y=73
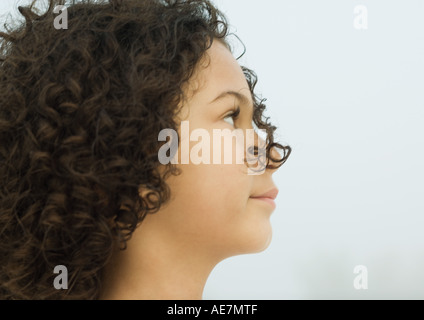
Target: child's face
x=210, y=208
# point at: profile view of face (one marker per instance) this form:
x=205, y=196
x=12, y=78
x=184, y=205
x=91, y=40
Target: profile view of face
x=212, y=213
x=211, y=210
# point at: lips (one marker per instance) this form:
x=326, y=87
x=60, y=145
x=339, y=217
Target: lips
x=271, y=194
x=268, y=197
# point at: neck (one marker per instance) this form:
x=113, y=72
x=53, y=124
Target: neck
x=156, y=267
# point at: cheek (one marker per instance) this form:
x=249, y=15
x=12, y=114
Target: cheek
x=209, y=199
x=217, y=189
x=220, y=188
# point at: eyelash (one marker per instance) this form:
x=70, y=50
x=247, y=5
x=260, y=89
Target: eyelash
x=235, y=114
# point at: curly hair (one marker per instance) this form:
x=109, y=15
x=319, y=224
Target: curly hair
x=80, y=114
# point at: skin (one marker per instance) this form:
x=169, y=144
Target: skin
x=211, y=215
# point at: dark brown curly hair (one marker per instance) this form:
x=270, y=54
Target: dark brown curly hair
x=80, y=114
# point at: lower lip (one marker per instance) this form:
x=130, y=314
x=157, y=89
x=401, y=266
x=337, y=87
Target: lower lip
x=267, y=200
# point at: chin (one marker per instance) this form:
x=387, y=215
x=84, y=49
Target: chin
x=258, y=240
x=264, y=244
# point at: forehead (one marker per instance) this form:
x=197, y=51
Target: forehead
x=219, y=71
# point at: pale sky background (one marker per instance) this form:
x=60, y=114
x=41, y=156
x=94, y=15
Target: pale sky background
x=351, y=105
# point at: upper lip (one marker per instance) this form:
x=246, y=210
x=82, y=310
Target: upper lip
x=271, y=194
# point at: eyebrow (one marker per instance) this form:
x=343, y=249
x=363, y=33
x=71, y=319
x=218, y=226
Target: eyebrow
x=240, y=97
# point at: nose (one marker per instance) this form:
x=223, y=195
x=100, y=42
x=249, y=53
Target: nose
x=271, y=161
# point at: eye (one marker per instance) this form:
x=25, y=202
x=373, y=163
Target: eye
x=232, y=117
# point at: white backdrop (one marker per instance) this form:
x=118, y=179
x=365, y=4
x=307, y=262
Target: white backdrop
x=350, y=103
